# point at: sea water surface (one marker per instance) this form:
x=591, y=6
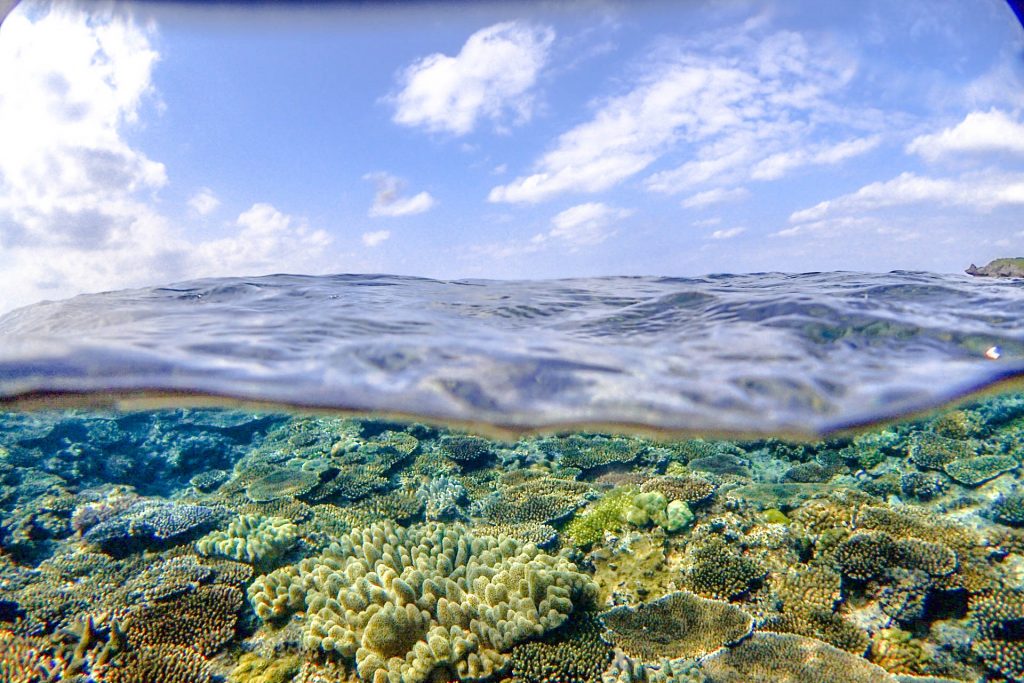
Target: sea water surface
x=769, y=477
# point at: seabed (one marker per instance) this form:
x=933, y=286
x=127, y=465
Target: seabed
x=196, y=545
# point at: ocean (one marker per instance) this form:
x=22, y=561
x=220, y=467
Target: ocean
x=764, y=477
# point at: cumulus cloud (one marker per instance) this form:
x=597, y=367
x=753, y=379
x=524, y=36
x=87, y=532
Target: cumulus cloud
x=978, y=192
x=72, y=190
x=376, y=237
x=586, y=224
x=727, y=103
x=387, y=202
x=492, y=74
x=267, y=240
x=715, y=196
x=204, y=202
x=583, y=225
x=68, y=89
x=77, y=209
x=980, y=132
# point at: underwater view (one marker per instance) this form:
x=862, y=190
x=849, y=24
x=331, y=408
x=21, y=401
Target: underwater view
x=193, y=486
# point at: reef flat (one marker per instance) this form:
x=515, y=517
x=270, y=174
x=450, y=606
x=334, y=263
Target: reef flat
x=201, y=545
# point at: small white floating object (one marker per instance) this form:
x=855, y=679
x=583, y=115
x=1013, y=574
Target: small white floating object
x=993, y=353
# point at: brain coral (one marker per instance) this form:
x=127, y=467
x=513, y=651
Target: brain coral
x=405, y=601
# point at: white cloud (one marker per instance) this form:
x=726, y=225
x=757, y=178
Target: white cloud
x=76, y=199
x=980, y=132
x=204, y=202
x=376, y=237
x=727, y=105
x=586, y=224
x=67, y=89
x=715, y=196
x=977, y=192
x=493, y=73
x=267, y=241
x=583, y=225
x=778, y=164
x=727, y=234
x=387, y=202
x=71, y=210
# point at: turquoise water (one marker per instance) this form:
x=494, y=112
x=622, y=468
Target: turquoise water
x=584, y=480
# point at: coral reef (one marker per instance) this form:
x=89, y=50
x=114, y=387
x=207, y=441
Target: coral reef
x=979, y=469
x=151, y=524
x=390, y=552
x=468, y=451
x=997, y=616
x=404, y=601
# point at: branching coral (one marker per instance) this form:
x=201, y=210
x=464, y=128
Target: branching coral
x=405, y=601
x=250, y=538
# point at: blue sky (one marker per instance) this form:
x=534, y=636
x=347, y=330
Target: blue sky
x=141, y=145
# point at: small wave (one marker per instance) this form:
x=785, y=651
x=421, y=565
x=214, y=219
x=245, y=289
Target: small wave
x=760, y=354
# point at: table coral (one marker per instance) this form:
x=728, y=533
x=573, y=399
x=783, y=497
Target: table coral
x=405, y=601
x=979, y=469
x=789, y=657
x=678, y=625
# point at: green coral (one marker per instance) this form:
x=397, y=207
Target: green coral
x=652, y=507
x=250, y=538
x=252, y=668
x=405, y=601
x=627, y=506
x=608, y=514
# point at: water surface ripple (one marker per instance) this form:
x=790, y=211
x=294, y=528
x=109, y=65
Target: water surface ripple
x=724, y=354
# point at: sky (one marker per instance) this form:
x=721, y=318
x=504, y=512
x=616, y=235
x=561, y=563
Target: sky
x=147, y=144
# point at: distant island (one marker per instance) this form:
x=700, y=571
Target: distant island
x=1001, y=267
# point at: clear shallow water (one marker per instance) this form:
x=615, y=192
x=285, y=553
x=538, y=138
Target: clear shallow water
x=754, y=354
x=201, y=545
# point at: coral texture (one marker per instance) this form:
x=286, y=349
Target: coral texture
x=405, y=601
x=250, y=538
